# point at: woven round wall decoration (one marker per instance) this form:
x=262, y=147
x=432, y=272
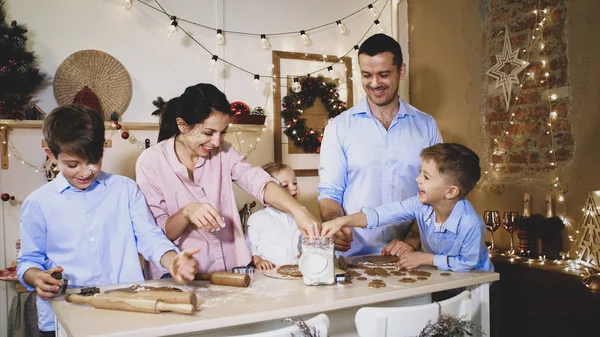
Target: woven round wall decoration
x=99, y=71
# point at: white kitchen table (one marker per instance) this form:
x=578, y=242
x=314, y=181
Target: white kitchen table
x=265, y=303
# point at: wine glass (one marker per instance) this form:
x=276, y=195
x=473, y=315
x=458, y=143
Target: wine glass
x=492, y=223
x=509, y=223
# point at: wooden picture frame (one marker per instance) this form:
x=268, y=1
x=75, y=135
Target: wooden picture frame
x=323, y=61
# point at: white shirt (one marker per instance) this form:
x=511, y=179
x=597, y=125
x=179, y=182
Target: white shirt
x=274, y=236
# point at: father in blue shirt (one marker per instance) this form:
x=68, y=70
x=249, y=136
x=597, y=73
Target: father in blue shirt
x=370, y=153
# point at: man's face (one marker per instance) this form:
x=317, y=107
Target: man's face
x=380, y=78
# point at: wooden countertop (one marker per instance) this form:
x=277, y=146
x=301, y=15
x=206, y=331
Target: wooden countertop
x=266, y=299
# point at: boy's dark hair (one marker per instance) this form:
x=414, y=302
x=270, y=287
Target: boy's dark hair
x=274, y=167
x=77, y=130
x=194, y=106
x=457, y=162
x=381, y=43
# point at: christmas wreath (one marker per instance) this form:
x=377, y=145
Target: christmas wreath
x=296, y=102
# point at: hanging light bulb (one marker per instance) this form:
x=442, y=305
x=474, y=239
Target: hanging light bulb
x=126, y=4
x=380, y=26
x=296, y=87
x=341, y=27
x=173, y=26
x=213, y=62
x=372, y=9
x=304, y=37
x=264, y=42
x=256, y=82
x=220, y=37
x=331, y=73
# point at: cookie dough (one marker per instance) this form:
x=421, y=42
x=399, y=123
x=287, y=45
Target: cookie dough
x=289, y=270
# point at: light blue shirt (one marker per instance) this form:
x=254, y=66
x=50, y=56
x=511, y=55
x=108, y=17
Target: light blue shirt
x=364, y=165
x=458, y=245
x=95, y=235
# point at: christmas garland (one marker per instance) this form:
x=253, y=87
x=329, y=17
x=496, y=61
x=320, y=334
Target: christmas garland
x=296, y=102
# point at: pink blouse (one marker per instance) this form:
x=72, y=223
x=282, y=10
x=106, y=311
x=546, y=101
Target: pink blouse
x=164, y=182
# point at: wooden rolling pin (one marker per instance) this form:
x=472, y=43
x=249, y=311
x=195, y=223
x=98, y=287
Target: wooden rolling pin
x=225, y=278
x=174, y=297
x=148, y=305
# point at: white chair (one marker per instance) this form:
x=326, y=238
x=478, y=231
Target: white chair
x=319, y=322
x=411, y=320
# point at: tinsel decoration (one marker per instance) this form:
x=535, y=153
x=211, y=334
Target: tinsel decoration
x=448, y=326
x=295, y=103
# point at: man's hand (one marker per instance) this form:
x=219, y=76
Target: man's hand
x=397, y=248
x=47, y=286
x=184, y=266
x=342, y=240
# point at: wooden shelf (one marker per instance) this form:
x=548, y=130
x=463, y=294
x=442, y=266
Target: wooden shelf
x=6, y=124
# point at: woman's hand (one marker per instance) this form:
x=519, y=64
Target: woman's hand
x=264, y=264
x=184, y=266
x=204, y=216
x=307, y=223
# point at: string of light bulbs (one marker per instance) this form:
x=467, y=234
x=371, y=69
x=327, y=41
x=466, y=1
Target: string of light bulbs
x=127, y=4
x=497, y=150
x=13, y=153
x=174, y=26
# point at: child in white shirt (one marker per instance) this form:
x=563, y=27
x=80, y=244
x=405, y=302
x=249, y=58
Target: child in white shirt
x=273, y=236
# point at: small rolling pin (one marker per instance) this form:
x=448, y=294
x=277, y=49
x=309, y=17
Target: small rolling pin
x=174, y=297
x=148, y=305
x=225, y=278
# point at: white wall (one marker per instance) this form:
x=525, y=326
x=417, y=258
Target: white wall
x=161, y=66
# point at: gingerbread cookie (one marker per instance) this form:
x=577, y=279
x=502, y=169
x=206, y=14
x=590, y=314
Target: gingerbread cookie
x=407, y=280
x=422, y=278
x=345, y=283
x=376, y=284
x=362, y=278
x=353, y=273
x=445, y=274
x=419, y=273
x=398, y=273
x=289, y=270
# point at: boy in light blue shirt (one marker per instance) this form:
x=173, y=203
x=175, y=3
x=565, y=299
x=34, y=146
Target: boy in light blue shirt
x=451, y=231
x=87, y=223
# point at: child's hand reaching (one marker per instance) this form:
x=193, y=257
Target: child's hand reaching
x=264, y=264
x=184, y=266
x=261, y=263
x=329, y=228
x=412, y=260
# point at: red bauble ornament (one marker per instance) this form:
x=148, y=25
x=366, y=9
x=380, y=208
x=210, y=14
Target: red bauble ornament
x=12, y=197
x=5, y=197
x=118, y=126
x=36, y=70
x=240, y=108
x=125, y=135
x=13, y=23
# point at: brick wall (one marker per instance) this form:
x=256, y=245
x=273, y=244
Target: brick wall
x=524, y=154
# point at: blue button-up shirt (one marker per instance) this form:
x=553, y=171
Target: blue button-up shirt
x=364, y=165
x=95, y=235
x=458, y=245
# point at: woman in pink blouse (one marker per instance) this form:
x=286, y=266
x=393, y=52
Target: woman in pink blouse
x=187, y=179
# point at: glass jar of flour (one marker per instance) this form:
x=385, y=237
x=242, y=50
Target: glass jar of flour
x=316, y=262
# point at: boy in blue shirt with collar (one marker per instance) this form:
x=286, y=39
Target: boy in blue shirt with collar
x=451, y=231
x=89, y=223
